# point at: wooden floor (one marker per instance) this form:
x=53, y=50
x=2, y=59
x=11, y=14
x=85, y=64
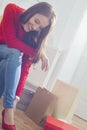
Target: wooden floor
x=79, y=123
x=24, y=123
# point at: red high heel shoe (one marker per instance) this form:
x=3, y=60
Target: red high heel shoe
x=6, y=126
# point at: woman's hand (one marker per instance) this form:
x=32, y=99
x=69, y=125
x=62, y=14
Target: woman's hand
x=45, y=62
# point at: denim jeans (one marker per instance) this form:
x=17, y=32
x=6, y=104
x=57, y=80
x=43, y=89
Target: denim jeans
x=10, y=70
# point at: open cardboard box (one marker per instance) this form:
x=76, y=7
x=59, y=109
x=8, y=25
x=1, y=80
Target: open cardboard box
x=42, y=104
x=68, y=96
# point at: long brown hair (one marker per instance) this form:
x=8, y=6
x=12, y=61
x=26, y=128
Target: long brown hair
x=45, y=9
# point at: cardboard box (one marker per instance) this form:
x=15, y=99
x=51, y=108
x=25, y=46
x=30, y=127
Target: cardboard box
x=67, y=100
x=42, y=104
x=55, y=124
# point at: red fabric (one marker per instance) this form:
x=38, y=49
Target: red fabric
x=24, y=75
x=11, y=34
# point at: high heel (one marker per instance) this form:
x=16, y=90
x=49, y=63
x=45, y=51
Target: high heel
x=6, y=126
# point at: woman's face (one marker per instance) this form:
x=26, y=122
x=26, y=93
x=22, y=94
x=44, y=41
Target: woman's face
x=37, y=22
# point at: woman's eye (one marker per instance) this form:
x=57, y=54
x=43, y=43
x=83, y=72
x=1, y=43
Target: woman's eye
x=37, y=21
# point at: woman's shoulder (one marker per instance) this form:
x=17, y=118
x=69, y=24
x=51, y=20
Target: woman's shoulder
x=9, y=5
x=13, y=7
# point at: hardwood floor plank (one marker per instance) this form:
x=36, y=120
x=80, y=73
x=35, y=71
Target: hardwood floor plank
x=79, y=123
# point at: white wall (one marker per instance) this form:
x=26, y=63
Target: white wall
x=72, y=34
x=74, y=69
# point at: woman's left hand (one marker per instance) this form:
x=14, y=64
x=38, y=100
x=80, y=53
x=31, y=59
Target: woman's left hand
x=45, y=62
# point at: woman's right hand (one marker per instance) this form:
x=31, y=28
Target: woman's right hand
x=45, y=62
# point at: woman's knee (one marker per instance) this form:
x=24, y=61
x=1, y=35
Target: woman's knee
x=15, y=54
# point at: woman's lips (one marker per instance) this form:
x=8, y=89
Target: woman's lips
x=30, y=27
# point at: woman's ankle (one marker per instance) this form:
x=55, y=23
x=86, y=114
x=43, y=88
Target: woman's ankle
x=17, y=99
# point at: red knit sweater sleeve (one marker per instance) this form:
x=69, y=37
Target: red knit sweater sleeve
x=9, y=30
x=24, y=75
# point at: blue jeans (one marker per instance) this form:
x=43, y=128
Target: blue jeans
x=10, y=71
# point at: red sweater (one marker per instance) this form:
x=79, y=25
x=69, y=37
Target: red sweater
x=11, y=34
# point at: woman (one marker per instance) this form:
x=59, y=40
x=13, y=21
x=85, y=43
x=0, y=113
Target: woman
x=22, y=36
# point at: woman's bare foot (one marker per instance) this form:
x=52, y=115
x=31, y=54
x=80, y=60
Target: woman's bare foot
x=9, y=116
